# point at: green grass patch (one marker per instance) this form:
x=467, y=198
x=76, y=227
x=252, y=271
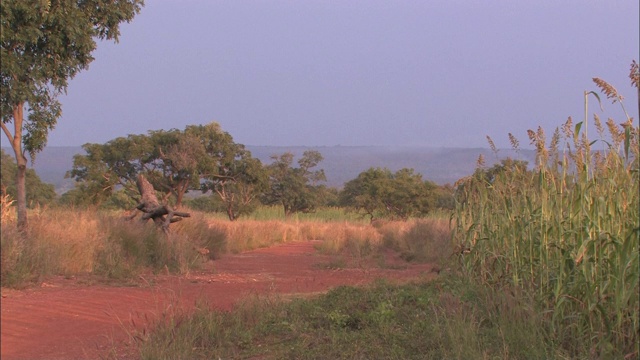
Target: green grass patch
x=444, y=319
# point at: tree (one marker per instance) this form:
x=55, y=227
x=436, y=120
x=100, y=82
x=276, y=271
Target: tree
x=38, y=192
x=296, y=189
x=162, y=215
x=238, y=183
x=380, y=193
x=108, y=167
x=43, y=44
x=363, y=194
x=201, y=157
x=174, y=161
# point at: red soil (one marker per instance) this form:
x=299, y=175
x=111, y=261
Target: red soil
x=64, y=319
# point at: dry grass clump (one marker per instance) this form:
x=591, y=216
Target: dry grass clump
x=67, y=239
x=210, y=241
x=244, y=235
x=71, y=242
x=7, y=212
x=428, y=240
x=58, y=242
x=422, y=240
x=356, y=240
x=419, y=240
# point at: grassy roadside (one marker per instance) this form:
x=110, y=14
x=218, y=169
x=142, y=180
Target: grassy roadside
x=444, y=319
x=72, y=242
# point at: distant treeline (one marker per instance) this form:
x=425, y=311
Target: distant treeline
x=340, y=164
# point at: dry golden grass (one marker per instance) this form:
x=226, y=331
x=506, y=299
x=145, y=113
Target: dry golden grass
x=70, y=239
x=71, y=242
x=7, y=212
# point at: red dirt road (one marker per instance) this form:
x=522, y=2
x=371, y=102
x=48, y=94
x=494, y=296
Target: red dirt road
x=63, y=319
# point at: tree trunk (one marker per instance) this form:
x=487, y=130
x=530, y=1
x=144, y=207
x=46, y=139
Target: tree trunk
x=162, y=215
x=21, y=194
x=230, y=213
x=287, y=212
x=179, y=197
x=21, y=163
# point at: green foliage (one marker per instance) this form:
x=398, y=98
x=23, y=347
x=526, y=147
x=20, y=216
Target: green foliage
x=43, y=44
x=296, y=189
x=208, y=204
x=201, y=157
x=381, y=193
x=442, y=319
x=231, y=172
x=567, y=234
x=38, y=193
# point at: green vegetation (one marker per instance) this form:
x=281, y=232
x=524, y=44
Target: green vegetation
x=381, y=193
x=443, y=319
x=205, y=158
x=566, y=233
x=38, y=193
x=202, y=157
x=43, y=45
x=295, y=189
x=548, y=267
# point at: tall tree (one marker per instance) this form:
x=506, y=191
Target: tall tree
x=228, y=169
x=43, y=44
x=363, y=194
x=174, y=162
x=296, y=189
x=108, y=167
x=380, y=193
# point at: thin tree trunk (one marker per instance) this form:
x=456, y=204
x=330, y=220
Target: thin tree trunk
x=21, y=194
x=230, y=212
x=21, y=164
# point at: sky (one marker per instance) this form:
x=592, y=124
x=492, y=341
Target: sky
x=438, y=73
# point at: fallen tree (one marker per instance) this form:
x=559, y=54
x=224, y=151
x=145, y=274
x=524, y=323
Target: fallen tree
x=161, y=214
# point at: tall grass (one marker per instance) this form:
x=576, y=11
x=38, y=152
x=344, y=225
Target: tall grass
x=70, y=242
x=327, y=214
x=59, y=242
x=566, y=233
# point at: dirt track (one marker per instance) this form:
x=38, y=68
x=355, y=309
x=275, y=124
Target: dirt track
x=63, y=319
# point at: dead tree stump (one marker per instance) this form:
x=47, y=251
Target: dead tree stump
x=161, y=214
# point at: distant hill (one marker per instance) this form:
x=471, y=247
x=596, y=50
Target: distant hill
x=341, y=163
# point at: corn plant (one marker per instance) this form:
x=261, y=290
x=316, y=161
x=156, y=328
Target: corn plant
x=564, y=231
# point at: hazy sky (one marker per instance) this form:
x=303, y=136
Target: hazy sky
x=428, y=73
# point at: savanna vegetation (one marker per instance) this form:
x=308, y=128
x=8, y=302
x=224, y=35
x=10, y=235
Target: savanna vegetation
x=547, y=266
x=541, y=260
x=44, y=44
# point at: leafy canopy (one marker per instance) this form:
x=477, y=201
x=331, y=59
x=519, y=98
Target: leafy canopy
x=296, y=189
x=202, y=157
x=380, y=193
x=44, y=43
